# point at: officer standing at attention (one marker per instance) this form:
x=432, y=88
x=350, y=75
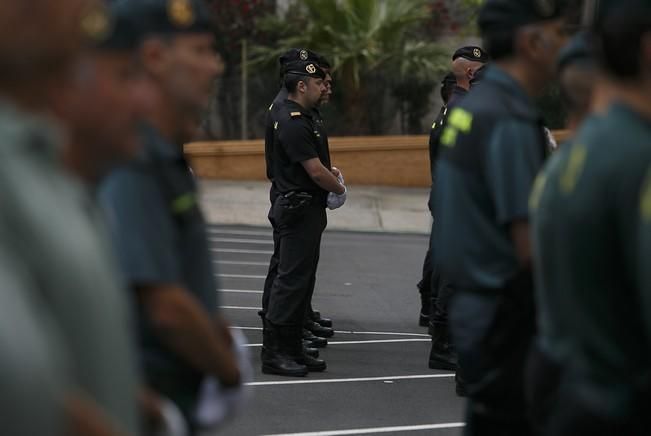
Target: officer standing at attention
x=315, y=324
x=49, y=222
x=425, y=284
x=491, y=150
x=305, y=186
x=596, y=327
x=158, y=230
x=465, y=62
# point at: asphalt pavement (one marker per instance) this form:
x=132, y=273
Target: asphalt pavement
x=377, y=381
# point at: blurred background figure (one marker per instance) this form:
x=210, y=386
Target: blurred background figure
x=188, y=354
x=48, y=222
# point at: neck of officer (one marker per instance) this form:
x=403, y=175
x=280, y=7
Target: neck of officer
x=636, y=95
x=531, y=81
x=300, y=99
x=167, y=119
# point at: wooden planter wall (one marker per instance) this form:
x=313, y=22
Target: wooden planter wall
x=364, y=160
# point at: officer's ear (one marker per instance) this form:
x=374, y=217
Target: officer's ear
x=302, y=86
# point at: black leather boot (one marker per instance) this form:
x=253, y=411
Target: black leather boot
x=314, y=341
x=323, y=322
x=313, y=352
x=277, y=355
x=318, y=330
x=292, y=339
x=442, y=355
x=425, y=303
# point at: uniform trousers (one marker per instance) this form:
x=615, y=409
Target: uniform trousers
x=297, y=231
x=492, y=332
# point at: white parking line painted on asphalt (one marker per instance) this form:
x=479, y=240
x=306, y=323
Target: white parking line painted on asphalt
x=240, y=276
x=243, y=241
x=241, y=308
x=237, y=262
x=375, y=341
x=240, y=232
x=350, y=332
x=376, y=430
x=349, y=380
x=240, y=291
x=237, y=250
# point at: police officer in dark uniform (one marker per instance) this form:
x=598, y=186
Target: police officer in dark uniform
x=492, y=147
x=465, y=62
x=158, y=228
x=317, y=328
x=305, y=185
x=425, y=284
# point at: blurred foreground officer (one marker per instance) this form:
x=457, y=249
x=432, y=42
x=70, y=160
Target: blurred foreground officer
x=305, y=187
x=550, y=229
x=34, y=372
x=48, y=222
x=158, y=229
x=594, y=315
x=491, y=149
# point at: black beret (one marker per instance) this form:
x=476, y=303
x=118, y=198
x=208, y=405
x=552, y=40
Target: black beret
x=173, y=16
x=111, y=26
x=305, y=68
x=298, y=54
x=472, y=53
x=579, y=51
x=505, y=15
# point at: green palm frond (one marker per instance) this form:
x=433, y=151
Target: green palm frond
x=358, y=36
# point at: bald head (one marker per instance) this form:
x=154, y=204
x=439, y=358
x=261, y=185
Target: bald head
x=464, y=70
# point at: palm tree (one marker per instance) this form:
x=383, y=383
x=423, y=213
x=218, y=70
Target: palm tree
x=364, y=40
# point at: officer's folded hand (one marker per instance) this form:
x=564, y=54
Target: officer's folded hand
x=338, y=174
x=335, y=201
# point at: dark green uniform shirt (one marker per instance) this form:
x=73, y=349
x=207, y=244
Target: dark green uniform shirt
x=491, y=150
x=160, y=236
x=550, y=230
x=601, y=183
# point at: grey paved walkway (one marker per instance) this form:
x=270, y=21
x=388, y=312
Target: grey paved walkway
x=372, y=209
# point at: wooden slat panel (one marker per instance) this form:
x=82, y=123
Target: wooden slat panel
x=365, y=160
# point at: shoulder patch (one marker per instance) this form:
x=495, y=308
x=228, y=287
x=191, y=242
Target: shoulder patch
x=295, y=114
x=573, y=169
x=537, y=191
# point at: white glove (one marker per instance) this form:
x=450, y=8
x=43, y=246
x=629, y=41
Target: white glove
x=335, y=201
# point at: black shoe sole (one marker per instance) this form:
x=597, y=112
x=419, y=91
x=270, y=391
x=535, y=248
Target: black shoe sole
x=321, y=334
x=323, y=323
x=442, y=365
x=317, y=368
x=266, y=369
